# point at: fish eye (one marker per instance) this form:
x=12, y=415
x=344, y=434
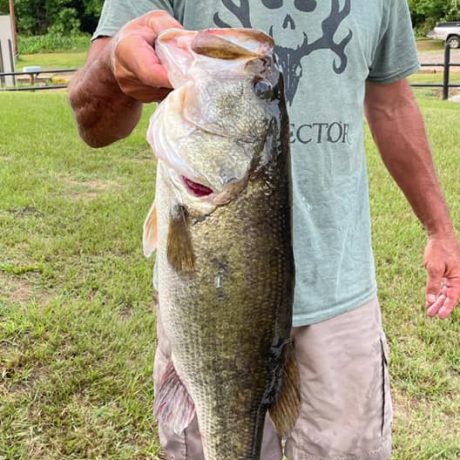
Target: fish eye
x=263, y=89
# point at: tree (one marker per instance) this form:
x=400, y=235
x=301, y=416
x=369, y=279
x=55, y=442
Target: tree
x=89, y=12
x=64, y=17
x=4, y=8
x=426, y=13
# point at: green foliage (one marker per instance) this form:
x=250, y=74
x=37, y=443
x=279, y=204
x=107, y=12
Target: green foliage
x=65, y=17
x=426, y=13
x=66, y=23
x=4, y=7
x=53, y=42
x=93, y=7
x=54, y=60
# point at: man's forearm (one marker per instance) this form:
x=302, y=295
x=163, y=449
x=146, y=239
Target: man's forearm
x=399, y=132
x=103, y=112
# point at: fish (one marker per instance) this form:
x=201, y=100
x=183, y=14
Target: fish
x=221, y=228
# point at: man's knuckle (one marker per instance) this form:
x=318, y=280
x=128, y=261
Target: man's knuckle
x=434, y=269
x=156, y=16
x=159, y=14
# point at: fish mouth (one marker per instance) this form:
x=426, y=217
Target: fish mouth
x=213, y=197
x=196, y=189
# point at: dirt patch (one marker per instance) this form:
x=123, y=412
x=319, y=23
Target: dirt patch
x=21, y=289
x=126, y=312
x=25, y=211
x=409, y=411
x=89, y=189
x=145, y=156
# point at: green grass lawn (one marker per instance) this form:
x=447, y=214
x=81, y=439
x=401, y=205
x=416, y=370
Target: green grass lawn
x=52, y=60
x=437, y=78
x=427, y=44
x=77, y=318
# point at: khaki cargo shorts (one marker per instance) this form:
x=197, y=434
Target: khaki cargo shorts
x=346, y=405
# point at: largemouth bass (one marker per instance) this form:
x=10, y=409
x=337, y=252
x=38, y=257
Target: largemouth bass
x=221, y=226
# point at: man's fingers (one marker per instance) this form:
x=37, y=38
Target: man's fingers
x=150, y=95
x=452, y=298
x=134, y=62
x=160, y=20
x=448, y=299
x=154, y=75
x=442, y=262
x=160, y=79
x=447, y=308
x=434, y=283
x=436, y=306
x=143, y=65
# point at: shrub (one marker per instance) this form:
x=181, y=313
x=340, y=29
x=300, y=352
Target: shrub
x=426, y=13
x=52, y=42
x=4, y=7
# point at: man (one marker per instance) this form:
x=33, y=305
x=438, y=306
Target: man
x=338, y=57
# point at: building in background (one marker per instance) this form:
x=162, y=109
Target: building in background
x=7, y=54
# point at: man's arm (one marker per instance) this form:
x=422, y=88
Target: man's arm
x=399, y=132
x=121, y=72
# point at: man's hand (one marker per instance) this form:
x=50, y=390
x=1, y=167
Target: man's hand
x=120, y=73
x=442, y=262
x=134, y=63
x=398, y=129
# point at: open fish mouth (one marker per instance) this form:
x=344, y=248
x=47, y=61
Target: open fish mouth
x=196, y=189
x=206, y=194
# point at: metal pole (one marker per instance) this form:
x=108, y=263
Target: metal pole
x=13, y=26
x=2, y=68
x=445, y=89
x=10, y=49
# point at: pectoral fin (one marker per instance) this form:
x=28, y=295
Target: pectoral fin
x=173, y=405
x=179, y=247
x=286, y=409
x=150, y=232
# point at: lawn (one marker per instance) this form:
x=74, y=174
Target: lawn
x=67, y=60
x=427, y=44
x=77, y=318
x=437, y=78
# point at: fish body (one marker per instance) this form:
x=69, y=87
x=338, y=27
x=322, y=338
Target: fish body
x=222, y=221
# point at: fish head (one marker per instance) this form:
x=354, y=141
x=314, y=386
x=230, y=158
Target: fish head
x=211, y=131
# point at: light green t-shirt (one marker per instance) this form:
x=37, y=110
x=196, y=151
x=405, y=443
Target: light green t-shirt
x=327, y=49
